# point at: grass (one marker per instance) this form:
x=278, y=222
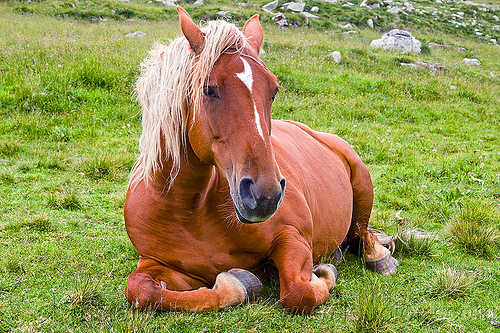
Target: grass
x=69, y=129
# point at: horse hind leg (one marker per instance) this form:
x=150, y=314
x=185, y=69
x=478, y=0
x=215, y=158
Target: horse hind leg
x=147, y=289
x=377, y=257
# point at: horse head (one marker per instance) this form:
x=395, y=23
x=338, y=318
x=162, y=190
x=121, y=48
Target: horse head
x=229, y=124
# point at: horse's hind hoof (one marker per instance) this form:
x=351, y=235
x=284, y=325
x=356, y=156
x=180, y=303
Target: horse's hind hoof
x=386, y=265
x=327, y=271
x=248, y=281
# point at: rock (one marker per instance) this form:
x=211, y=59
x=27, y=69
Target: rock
x=271, y=5
x=336, y=56
x=296, y=6
x=397, y=39
x=496, y=18
x=330, y=1
x=135, y=34
x=350, y=32
x=198, y=3
x=441, y=46
x=452, y=87
x=393, y=10
x=348, y=4
x=309, y=16
x=373, y=5
x=363, y=4
x=167, y=3
x=471, y=62
x=370, y=23
x=314, y=9
x=346, y=26
x=280, y=20
x=495, y=27
x=436, y=68
x=262, y=53
x=410, y=8
x=225, y=15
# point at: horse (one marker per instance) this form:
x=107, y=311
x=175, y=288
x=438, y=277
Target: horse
x=202, y=202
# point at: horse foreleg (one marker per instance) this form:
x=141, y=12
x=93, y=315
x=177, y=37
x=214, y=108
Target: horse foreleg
x=147, y=289
x=302, y=287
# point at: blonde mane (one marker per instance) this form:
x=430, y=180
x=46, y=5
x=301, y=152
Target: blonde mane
x=171, y=84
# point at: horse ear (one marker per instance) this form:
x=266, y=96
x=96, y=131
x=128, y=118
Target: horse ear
x=254, y=33
x=190, y=30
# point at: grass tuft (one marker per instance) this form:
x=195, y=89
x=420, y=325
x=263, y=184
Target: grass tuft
x=13, y=265
x=473, y=230
x=65, y=200
x=372, y=309
x=6, y=176
x=417, y=241
x=428, y=316
x=9, y=149
x=99, y=167
x=450, y=282
x=85, y=292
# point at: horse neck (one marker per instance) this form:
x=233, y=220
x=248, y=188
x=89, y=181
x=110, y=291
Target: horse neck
x=193, y=177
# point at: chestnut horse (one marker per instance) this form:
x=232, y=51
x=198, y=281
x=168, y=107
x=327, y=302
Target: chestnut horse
x=202, y=203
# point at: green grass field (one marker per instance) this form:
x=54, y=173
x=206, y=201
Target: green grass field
x=69, y=129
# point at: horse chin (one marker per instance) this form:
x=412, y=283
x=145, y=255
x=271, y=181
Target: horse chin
x=249, y=221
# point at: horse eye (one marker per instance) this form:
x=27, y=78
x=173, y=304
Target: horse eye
x=210, y=92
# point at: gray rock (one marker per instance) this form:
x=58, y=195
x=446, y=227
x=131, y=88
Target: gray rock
x=225, y=15
x=436, y=68
x=393, y=10
x=471, y=62
x=198, y=3
x=336, y=56
x=309, y=16
x=495, y=27
x=410, y=8
x=280, y=20
x=452, y=87
x=346, y=26
x=271, y=6
x=348, y=4
x=370, y=23
x=363, y=4
x=374, y=5
x=496, y=18
x=167, y=3
x=397, y=39
x=296, y=6
x=135, y=34
x=330, y=1
x=314, y=9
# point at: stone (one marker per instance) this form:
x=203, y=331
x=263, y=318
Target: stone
x=346, y=26
x=309, y=15
x=330, y=1
x=336, y=56
x=393, y=10
x=198, y=3
x=370, y=23
x=374, y=5
x=348, y=4
x=363, y=4
x=296, y=6
x=135, y=34
x=410, y=8
x=280, y=20
x=440, y=46
x=167, y=3
x=399, y=40
x=452, y=87
x=314, y=9
x=471, y=62
x=225, y=15
x=271, y=5
x=495, y=27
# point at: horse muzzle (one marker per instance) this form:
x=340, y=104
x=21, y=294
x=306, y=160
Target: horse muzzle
x=256, y=203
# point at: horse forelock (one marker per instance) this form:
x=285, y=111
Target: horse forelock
x=172, y=80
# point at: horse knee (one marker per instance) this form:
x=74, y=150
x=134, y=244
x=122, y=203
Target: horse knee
x=141, y=291
x=301, y=298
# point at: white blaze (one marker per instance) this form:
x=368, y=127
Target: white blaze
x=247, y=78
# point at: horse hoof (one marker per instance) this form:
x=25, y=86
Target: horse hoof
x=250, y=283
x=328, y=271
x=386, y=265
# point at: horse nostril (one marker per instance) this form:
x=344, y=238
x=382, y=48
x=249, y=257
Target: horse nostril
x=247, y=192
x=282, y=184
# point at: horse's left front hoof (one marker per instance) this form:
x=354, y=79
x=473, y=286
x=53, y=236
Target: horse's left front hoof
x=327, y=271
x=386, y=265
x=249, y=282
